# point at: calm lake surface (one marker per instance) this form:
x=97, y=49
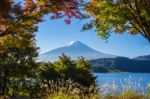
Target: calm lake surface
x=135, y=81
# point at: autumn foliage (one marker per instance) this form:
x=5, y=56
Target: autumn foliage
x=18, y=51
x=120, y=16
x=31, y=12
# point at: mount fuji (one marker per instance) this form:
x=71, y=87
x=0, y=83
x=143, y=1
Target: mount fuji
x=74, y=49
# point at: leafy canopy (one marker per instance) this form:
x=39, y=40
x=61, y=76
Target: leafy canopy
x=119, y=16
x=14, y=16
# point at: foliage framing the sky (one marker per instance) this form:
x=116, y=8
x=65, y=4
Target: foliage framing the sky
x=119, y=16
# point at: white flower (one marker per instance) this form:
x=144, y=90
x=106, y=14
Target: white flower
x=149, y=85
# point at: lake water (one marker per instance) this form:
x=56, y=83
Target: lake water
x=120, y=81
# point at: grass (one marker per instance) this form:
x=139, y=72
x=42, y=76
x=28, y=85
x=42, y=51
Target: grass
x=70, y=90
x=67, y=89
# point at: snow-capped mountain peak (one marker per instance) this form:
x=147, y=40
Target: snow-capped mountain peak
x=71, y=43
x=74, y=49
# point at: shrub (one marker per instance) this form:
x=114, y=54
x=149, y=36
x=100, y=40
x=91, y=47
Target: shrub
x=66, y=76
x=79, y=71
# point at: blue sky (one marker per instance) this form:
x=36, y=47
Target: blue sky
x=54, y=33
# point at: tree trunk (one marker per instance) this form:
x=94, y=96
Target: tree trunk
x=5, y=79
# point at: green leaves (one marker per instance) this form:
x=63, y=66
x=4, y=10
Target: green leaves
x=79, y=71
x=119, y=16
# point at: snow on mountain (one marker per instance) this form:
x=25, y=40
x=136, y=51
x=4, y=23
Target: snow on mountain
x=74, y=49
x=71, y=43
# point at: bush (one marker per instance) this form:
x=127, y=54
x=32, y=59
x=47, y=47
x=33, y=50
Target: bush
x=65, y=74
x=79, y=71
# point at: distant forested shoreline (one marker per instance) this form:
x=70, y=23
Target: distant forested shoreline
x=120, y=64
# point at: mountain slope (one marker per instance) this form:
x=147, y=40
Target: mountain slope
x=121, y=64
x=144, y=57
x=74, y=50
